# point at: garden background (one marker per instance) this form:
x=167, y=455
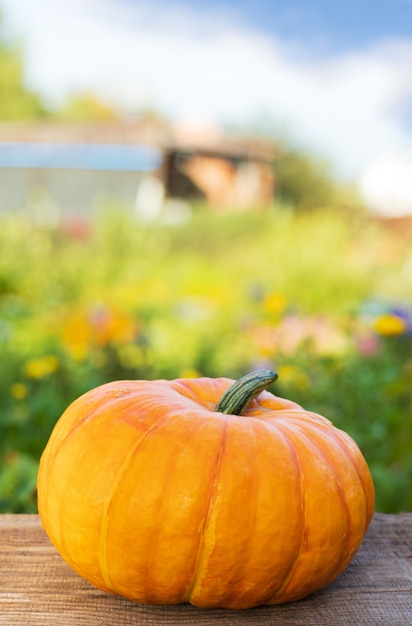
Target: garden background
x=314, y=287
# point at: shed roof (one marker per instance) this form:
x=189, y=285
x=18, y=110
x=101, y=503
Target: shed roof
x=109, y=157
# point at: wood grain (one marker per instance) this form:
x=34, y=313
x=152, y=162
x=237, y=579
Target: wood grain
x=38, y=588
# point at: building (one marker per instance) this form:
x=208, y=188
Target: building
x=68, y=169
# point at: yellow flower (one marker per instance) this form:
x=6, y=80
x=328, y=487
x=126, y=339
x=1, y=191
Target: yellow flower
x=274, y=303
x=76, y=336
x=77, y=351
x=389, y=325
x=41, y=367
x=121, y=328
x=97, y=328
x=19, y=391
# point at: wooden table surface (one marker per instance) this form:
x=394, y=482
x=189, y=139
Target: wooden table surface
x=38, y=588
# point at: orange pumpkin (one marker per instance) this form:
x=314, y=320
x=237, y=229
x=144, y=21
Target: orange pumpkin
x=167, y=492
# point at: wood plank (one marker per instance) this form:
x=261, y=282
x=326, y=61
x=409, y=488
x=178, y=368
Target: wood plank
x=38, y=588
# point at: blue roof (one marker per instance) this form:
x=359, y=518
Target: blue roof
x=109, y=157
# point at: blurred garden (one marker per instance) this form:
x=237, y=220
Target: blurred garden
x=322, y=296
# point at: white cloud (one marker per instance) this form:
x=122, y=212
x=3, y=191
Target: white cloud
x=386, y=185
x=349, y=108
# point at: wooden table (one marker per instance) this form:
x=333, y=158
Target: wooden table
x=38, y=588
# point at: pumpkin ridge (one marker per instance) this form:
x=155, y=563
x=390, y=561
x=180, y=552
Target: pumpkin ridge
x=311, y=443
x=273, y=426
x=288, y=415
x=343, y=443
x=324, y=453
x=253, y=427
x=86, y=418
x=102, y=551
x=209, y=507
x=58, y=449
x=340, y=565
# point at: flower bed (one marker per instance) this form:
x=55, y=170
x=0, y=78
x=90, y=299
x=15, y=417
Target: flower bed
x=324, y=299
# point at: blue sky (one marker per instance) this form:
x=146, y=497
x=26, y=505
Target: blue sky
x=333, y=78
x=322, y=24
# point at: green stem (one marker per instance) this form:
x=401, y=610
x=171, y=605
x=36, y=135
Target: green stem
x=236, y=399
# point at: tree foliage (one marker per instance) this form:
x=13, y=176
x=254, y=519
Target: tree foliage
x=85, y=107
x=17, y=101
x=304, y=182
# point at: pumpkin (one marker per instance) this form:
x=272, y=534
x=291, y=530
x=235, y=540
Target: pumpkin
x=206, y=491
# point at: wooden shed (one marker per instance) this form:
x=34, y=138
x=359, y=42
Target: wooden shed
x=70, y=168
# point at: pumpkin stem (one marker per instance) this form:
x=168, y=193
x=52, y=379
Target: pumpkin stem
x=236, y=399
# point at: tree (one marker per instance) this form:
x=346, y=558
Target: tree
x=304, y=182
x=17, y=101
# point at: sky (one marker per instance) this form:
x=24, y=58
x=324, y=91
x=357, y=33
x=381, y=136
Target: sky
x=331, y=78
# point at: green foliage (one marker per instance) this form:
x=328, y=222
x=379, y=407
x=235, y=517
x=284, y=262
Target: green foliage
x=17, y=101
x=303, y=182
x=317, y=296
x=84, y=107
